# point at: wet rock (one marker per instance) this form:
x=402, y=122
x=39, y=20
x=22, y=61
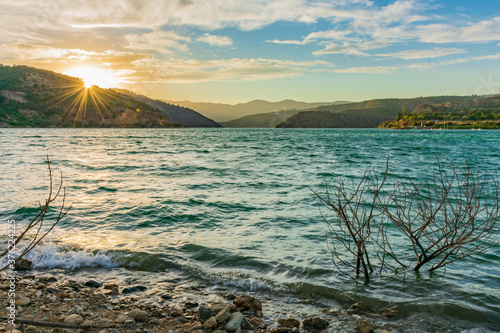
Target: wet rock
x=23, y=264
x=110, y=286
x=23, y=301
x=47, y=279
x=112, y=292
x=249, y=304
x=190, y=305
x=138, y=315
x=358, y=308
x=204, y=313
x=364, y=326
x=133, y=289
x=93, y=284
x=73, y=319
x=223, y=316
x=217, y=307
x=230, y=296
x=315, y=323
x=234, y=321
x=210, y=323
x=289, y=322
x=391, y=312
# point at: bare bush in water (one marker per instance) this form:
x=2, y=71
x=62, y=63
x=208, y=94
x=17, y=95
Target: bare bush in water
x=448, y=217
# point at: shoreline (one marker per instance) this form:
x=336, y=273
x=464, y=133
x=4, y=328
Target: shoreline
x=64, y=297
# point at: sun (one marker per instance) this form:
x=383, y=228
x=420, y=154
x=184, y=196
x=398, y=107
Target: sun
x=93, y=76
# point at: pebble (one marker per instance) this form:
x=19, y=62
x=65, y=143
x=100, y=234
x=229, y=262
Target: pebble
x=23, y=301
x=217, y=307
x=138, y=315
x=73, y=319
x=23, y=264
x=204, y=313
x=358, y=308
x=234, y=321
x=93, y=284
x=364, y=326
x=316, y=323
x=210, y=323
x=133, y=289
x=223, y=315
x=289, y=322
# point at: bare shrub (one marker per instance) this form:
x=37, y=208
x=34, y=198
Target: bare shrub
x=38, y=228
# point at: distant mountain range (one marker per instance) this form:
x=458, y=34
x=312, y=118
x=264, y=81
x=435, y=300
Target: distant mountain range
x=40, y=98
x=366, y=114
x=226, y=112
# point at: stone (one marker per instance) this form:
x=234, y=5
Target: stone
x=230, y=296
x=204, y=313
x=316, y=323
x=217, y=307
x=223, y=316
x=133, y=289
x=110, y=286
x=47, y=279
x=23, y=301
x=23, y=264
x=93, y=284
x=256, y=321
x=31, y=328
x=391, y=312
x=166, y=296
x=249, y=304
x=234, y=321
x=246, y=325
x=190, y=305
x=73, y=319
x=138, y=315
x=364, y=326
x=289, y=322
x=359, y=307
x=210, y=323
x=113, y=292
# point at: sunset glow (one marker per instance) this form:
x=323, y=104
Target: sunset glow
x=93, y=76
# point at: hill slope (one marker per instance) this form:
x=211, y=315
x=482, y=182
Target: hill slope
x=35, y=97
x=363, y=118
x=227, y=112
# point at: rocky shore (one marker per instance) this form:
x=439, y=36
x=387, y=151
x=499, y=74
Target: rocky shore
x=46, y=303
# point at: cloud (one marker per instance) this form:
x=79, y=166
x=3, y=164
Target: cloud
x=368, y=70
x=159, y=41
x=234, y=69
x=483, y=31
x=215, y=40
x=423, y=54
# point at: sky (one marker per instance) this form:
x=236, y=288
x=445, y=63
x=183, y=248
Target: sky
x=232, y=51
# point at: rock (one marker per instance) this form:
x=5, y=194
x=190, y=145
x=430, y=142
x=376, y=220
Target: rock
x=73, y=319
x=121, y=318
x=217, y=307
x=23, y=264
x=359, y=307
x=190, y=305
x=246, y=325
x=138, y=315
x=204, y=314
x=31, y=328
x=134, y=289
x=166, y=296
x=38, y=294
x=47, y=279
x=234, y=321
x=289, y=322
x=391, y=312
x=93, y=284
x=210, y=323
x=110, y=286
x=23, y=301
x=113, y=292
x=223, y=316
x=364, y=326
x=316, y=323
x=249, y=304
x=256, y=321
x=230, y=296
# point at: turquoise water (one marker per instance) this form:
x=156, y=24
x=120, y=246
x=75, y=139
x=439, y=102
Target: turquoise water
x=234, y=207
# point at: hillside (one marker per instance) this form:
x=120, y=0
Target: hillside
x=40, y=98
x=361, y=118
x=226, y=112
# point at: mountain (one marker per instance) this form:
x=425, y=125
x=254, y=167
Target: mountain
x=368, y=113
x=41, y=98
x=227, y=112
